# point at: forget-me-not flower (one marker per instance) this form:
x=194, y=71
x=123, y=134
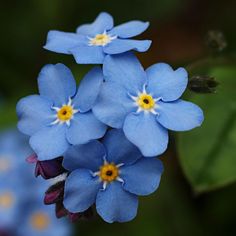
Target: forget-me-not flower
x=145, y=103
x=39, y=219
x=13, y=172
x=92, y=42
x=60, y=115
x=111, y=174
x=22, y=211
x=11, y=196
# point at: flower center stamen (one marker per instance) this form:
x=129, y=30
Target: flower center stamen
x=101, y=39
x=109, y=172
x=40, y=221
x=65, y=113
x=146, y=101
x=6, y=200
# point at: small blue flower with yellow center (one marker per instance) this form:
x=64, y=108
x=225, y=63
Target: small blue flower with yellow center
x=92, y=42
x=11, y=195
x=12, y=142
x=60, y=115
x=39, y=219
x=22, y=211
x=145, y=103
x=111, y=174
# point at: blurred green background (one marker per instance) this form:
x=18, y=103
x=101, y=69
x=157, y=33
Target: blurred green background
x=198, y=191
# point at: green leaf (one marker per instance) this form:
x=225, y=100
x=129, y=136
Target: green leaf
x=208, y=154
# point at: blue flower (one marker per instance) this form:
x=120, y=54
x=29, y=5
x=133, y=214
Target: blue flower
x=39, y=219
x=60, y=115
x=92, y=42
x=111, y=174
x=11, y=143
x=145, y=103
x=13, y=171
x=11, y=196
x=22, y=211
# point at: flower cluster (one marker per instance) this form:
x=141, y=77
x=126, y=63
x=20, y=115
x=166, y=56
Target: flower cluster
x=21, y=209
x=103, y=138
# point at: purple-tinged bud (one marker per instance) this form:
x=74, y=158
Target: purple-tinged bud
x=79, y=216
x=74, y=217
x=55, y=193
x=32, y=159
x=49, y=169
x=60, y=210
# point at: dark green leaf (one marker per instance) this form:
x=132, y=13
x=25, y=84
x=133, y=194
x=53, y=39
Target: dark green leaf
x=208, y=154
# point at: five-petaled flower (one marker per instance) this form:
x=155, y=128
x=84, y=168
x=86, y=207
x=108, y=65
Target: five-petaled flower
x=111, y=174
x=22, y=211
x=145, y=103
x=92, y=42
x=60, y=116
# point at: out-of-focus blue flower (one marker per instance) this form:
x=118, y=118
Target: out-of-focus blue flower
x=13, y=150
x=92, y=42
x=11, y=196
x=39, y=219
x=111, y=174
x=60, y=115
x=12, y=142
x=21, y=195
x=145, y=103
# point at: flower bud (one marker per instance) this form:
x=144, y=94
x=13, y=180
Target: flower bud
x=202, y=84
x=49, y=169
x=55, y=193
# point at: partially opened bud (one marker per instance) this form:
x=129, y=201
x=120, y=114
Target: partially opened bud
x=203, y=84
x=55, y=193
x=79, y=216
x=60, y=210
x=49, y=169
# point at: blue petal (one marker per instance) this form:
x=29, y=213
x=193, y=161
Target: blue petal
x=143, y=177
x=88, y=90
x=179, y=115
x=84, y=128
x=34, y=113
x=89, y=156
x=57, y=84
x=125, y=70
x=112, y=105
x=129, y=29
x=88, y=54
x=81, y=189
x=113, y=141
x=115, y=204
x=166, y=83
x=124, y=45
x=103, y=22
x=144, y=131
x=50, y=142
x=62, y=42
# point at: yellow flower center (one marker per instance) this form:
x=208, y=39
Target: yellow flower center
x=146, y=101
x=100, y=40
x=40, y=221
x=6, y=200
x=65, y=113
x=4, y=164
x=109, y=172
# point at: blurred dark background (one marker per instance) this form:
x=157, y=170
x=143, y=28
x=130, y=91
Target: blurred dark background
x=178, y=29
